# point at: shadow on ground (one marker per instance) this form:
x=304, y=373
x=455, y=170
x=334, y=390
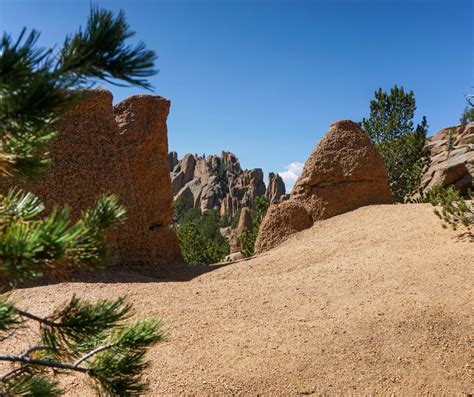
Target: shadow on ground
x=122, y=274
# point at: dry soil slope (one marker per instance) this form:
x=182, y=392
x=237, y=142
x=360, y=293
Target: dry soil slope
x=378, y=300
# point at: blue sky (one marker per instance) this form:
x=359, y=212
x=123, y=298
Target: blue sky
x=264, y=79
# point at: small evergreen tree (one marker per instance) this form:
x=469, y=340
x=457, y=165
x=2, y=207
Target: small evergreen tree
x=180, y=210
x=227, y=220
x=454, y=210
x=468, y=114
x=199, y=234
x=36, y=86
x=249, y=237
x=197, y=249
x=390, y=127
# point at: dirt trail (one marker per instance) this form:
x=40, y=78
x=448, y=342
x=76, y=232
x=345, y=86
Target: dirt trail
x=376, y=301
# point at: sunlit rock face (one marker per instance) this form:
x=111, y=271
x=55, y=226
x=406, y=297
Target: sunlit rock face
x=121, y=149
x=344, y=172
x=451, y=159
x=219, y=182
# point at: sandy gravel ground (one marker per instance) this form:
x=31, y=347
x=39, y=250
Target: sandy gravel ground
x=376, y=301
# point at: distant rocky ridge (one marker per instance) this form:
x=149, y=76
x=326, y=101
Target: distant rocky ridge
x=452, y=159
x=219, y=182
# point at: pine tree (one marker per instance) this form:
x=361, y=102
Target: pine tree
x=402, y=147
x=36, y=86
x=468, y=114
x=199, y=234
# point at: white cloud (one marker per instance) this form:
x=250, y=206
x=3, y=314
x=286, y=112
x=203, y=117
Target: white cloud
x=291, y=174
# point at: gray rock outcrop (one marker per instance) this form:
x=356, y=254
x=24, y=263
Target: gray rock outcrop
x=452, y=159
x=219, y=182
x=276, y=190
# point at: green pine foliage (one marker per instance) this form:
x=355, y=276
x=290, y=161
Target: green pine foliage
x=37, y=84
x=249, y=237
x=96, y=339
x=93, y=339
x=228, y=220
x=454, y=210
x=32, y=245
x=197, y=249
x=199, y=234
x=29, y=384
x=401, y=145
x=468, y=114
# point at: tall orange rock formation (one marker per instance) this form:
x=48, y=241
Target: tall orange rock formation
x=121, y=149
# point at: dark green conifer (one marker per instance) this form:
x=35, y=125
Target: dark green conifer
x=36, y=86
x=401, y=145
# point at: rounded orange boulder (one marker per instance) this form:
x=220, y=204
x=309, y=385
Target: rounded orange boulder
x=281, y=221
x=344, y=172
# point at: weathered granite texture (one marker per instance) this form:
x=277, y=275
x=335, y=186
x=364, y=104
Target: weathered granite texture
x=121, y=149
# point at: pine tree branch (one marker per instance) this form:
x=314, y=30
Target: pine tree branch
x=26, y=360
x=12, y=373
x=90, y=354
x=38, y=85
x=24, y=354
x=42, y=363
x=34, y=349
x=36, y=318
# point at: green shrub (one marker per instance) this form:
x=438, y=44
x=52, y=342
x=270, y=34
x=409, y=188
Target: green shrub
x=197, y=249
x=229, y=220
x=468, y=114
x=210, y=223
x=184, y=214
x=454, y=210
x=199, y=235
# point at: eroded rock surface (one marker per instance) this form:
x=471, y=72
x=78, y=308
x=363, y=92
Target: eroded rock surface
x=280, y=222
x=121, y=149
x=219, y=182
x=452, y=159
x=344, y=172
x=276, y=190
x=245, y=223
x=172, y=160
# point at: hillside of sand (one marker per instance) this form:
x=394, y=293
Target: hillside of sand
x=377, y=300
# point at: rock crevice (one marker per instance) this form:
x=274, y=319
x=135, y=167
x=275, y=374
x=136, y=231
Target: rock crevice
x=347, y=182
